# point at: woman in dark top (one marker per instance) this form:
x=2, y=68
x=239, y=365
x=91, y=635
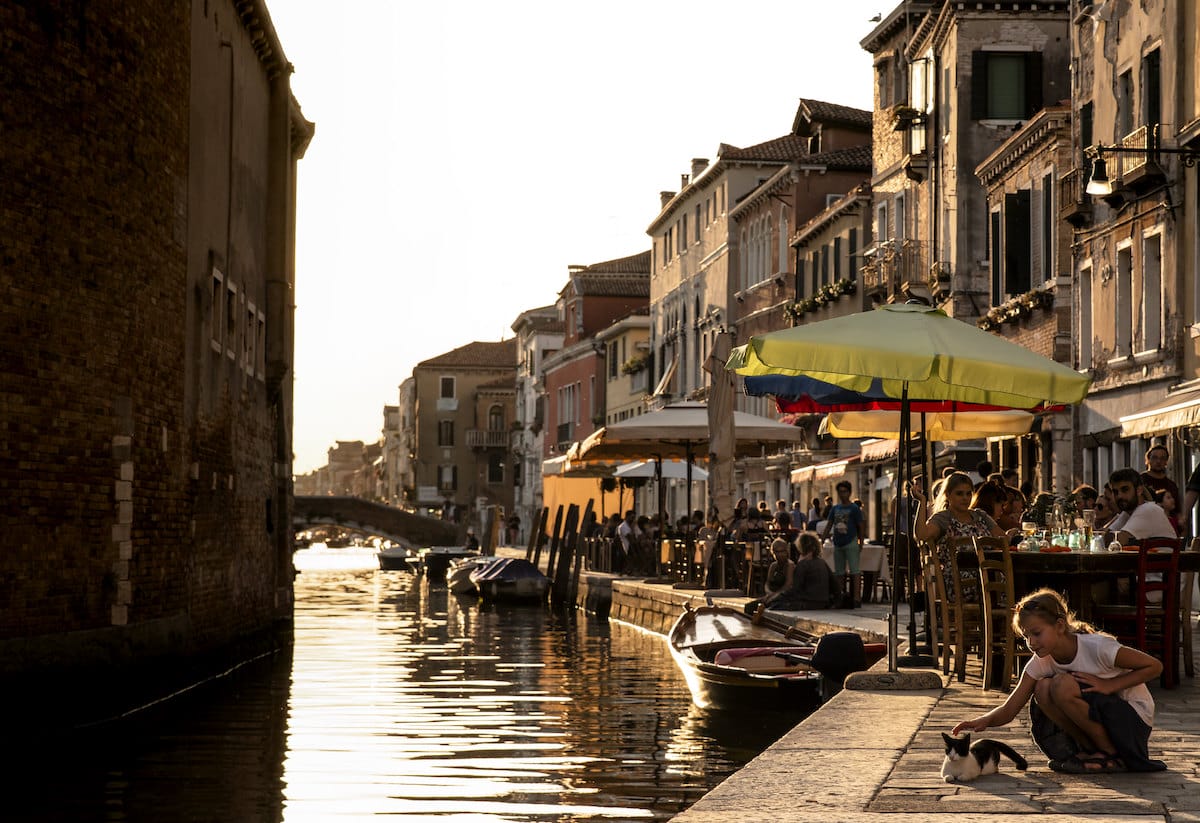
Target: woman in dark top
x=814, y=585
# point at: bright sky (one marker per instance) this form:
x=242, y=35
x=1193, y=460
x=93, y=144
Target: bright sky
x=468, y=152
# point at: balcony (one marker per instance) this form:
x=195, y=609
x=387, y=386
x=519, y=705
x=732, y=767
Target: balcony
x=895, y=267
x=1074, y=204
x=1136, y=167
x=487, y=438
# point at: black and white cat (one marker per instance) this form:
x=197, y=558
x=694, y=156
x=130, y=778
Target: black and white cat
x=965, y=761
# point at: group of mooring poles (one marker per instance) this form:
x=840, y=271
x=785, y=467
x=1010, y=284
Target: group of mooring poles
x=564, y=563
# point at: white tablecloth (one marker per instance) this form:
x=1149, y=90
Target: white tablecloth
x=873, y=559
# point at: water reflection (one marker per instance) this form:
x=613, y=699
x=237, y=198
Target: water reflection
x=400, y=699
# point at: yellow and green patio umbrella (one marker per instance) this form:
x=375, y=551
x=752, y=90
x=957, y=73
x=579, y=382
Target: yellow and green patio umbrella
x=899, y=346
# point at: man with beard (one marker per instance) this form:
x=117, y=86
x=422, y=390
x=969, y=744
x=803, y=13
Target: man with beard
x=1137, y=519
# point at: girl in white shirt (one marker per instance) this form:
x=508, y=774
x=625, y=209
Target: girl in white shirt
x=1092, y=711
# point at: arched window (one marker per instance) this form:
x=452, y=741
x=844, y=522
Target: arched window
x=495, y=419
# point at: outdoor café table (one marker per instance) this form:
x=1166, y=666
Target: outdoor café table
x=1073, y=573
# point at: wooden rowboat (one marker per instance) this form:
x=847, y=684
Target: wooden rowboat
x=731, y=662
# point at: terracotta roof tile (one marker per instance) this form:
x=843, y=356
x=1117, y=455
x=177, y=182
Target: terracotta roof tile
x=633, y=264
x=855, y=158
x=781, y=149
x=820, y=111
x=482, y=355
x=612, y=285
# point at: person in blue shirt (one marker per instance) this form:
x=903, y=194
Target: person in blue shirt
x=845, y=523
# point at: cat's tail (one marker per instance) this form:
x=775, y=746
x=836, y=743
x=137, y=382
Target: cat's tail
x=1012, y=754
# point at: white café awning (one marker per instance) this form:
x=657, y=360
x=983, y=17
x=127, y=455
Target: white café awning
x=1175, y=411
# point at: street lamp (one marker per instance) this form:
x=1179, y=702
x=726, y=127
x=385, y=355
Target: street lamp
x=1099, y=183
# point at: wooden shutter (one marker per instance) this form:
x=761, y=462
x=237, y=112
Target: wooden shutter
x=1017, y=251
x=979, y=85
x=1033, y=83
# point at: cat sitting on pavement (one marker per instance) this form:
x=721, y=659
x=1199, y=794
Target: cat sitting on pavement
x=966, y=761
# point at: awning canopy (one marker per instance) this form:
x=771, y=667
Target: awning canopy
x=1175, y=411
x=823, y=471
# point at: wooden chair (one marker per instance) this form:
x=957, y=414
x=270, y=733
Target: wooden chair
x=997, y=598
x=1185, y=616
x=968, y=617
x=938, y=606
x=1151, y=625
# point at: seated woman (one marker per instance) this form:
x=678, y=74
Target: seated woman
x=779, y=577
x=953, y=518
x=814, y=586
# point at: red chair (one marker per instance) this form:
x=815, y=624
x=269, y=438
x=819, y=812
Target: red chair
x=1151, y=623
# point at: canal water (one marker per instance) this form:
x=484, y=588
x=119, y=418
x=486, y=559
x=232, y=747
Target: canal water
x=401, y=700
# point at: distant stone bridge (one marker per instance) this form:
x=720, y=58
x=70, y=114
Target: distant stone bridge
x=355, y=514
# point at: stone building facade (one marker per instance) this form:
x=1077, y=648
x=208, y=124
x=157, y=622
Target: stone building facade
x=539, y=335
x=1030, y=244
x=148, y=211
x=593, y=297
x=462, y=424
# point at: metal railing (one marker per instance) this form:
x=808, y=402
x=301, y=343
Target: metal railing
x=895, y=262
x=1137, y=144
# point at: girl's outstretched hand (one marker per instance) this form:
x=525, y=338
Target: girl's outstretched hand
x=976, y=725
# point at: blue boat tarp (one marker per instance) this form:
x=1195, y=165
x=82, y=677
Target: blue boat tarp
x=507, y=569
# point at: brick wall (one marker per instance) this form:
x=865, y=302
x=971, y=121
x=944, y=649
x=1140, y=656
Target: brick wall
x=135, y=517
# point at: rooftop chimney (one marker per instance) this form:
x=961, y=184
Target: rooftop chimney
x=664, y=197
x=683, y=181
x=699, y=164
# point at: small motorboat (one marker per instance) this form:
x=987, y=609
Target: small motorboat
x=732, y=662
x=510, y=579
x=458, y=575
x=395, y=558
x=434, y=561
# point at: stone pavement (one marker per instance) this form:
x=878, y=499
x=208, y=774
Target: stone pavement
x=875, y=756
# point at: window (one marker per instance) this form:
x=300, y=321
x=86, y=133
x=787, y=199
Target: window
x=1124, y=302
x=1085, y=317
x=1086, y=119
x=248, y=340
x=1124, y=104
x=261, y=348
x=837, y=258
x=997, y=260
x=883, y=82
x=614, y=367
x=231, y=319
x=881, y=223
x=852, y=253
x=683, y=236
x=445, y=433
x=495, y=419
x=1151, y=89
x=447, y=387
x=447, y=478
x=899, y=218
x=1047, y=250
x=1152, y=296
x=696, y=221
x=783, y=241
x=495, y=472
x=217, y=311
x=1017, y=265
x=1005, y=85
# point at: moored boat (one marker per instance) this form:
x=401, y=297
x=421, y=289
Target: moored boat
x=396, y=558
x=458, y=575
x=510, y=579
x=435, y=560
x=731, y=662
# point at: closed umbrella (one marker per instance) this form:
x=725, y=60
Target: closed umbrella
x=911, y=352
